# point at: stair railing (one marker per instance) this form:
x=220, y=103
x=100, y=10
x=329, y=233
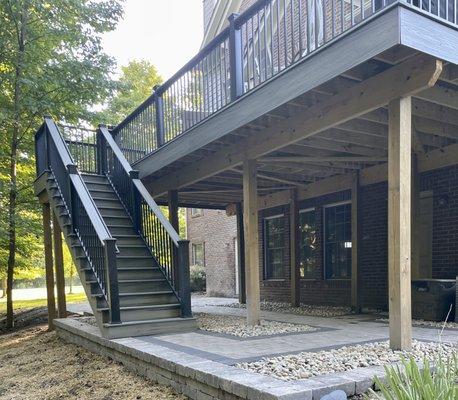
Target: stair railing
x=168, y=249
x=99, y=247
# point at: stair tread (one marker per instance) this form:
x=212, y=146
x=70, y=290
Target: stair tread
x=126, y=294
x=101, y=190
x=129, y=294
x=145, y=307
x=142, y=280
x=134, y=257
x=150, y=321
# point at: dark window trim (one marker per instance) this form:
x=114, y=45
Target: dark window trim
x=264, y=248
x=330, y=205
x=306, y=210
x=193, y=253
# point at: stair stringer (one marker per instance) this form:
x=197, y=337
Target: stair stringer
x=72, y=241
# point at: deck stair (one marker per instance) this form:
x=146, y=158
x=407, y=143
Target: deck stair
x=131, y=262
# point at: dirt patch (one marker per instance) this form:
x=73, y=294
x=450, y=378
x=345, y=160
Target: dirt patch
x=25, y=317
x=36, y=364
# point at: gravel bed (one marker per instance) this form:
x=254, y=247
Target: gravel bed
x=237, y=326
x=308, y=364
x=422, y=322
x=303, y=309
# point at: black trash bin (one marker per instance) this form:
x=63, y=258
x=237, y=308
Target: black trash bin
x=431, y=299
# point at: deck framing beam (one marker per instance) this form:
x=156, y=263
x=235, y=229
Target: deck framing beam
x=404, y=79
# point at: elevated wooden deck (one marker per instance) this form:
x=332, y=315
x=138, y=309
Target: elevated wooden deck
x=323, y=116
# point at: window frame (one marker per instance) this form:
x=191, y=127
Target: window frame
x=325, y=207
x=193, y=258
x=264, y=242
x=199, y=213
x=303, y=211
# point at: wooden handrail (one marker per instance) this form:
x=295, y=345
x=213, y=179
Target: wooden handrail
x=139, y=185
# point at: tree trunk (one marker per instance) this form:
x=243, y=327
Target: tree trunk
x=3, y=288
x=12, y=206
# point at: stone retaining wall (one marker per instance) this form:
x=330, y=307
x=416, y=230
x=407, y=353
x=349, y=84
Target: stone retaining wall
x=201, y=379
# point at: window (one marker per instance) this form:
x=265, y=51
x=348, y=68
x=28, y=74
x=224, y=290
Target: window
x=198, y=254
x=307, y=243
x=337, y=241
x=196, y=212
x=274, y=246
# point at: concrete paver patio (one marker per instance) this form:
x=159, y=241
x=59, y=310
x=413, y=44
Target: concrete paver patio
x=219, y=352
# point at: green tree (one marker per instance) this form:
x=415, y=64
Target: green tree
x=136, y=83
x=51, y=62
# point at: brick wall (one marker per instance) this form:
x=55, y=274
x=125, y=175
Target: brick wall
x=217, y=232
x=374, y=243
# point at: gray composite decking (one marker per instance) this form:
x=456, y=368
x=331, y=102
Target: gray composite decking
x=398, y=25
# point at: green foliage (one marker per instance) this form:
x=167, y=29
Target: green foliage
x=409, y=382
x=198, y=278
x=51, y=62
x=135, y=85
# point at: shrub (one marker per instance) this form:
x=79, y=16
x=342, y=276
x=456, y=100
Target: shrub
x=198, y=278
x=409, y=382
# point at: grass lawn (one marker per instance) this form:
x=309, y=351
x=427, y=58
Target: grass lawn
x=22, y=304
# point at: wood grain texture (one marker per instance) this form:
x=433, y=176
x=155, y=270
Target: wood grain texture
x=47, y=236
x=399, y=229
x=250, y=219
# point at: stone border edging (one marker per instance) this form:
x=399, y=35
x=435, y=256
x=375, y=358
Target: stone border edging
x=202, y=379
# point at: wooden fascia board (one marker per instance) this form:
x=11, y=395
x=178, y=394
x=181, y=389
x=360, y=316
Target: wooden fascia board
x=428, y=34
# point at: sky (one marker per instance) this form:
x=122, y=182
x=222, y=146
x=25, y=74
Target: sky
x=168, y=33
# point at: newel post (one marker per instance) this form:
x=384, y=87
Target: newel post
x=112, y=280
x=160, y=130
x=235, y=58
x=101, y=148
x=184, y=284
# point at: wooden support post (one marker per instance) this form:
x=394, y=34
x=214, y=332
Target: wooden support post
x=250, y=219
x=355, y=281
x=173, y=209
x=59, y=267
x=47, y=234
x=399, y=203
x=241, y=253
x=294, y=248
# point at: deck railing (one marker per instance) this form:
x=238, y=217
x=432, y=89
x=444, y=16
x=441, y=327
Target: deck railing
x=170, y=252
x=266, y=39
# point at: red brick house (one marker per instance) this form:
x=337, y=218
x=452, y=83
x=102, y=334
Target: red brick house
x=212, y=238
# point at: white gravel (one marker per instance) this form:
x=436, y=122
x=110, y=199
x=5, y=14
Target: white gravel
x=303, y=309
x=308, y=364
x=237, y=326
x=433, y=324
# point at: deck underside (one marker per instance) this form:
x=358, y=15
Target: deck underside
x=205, y=162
